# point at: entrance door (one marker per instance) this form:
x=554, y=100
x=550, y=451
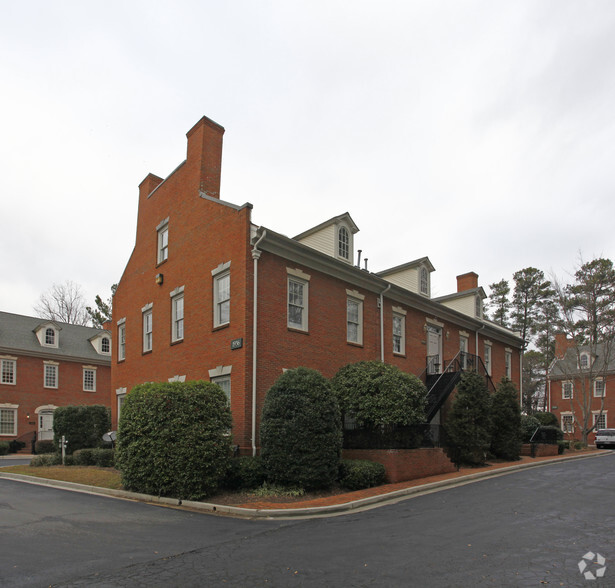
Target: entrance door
x=434, y=353
x=45, y=425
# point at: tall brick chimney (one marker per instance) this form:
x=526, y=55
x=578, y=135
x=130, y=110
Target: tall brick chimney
x=467, y=281
x=562, y=344
x=204, y=159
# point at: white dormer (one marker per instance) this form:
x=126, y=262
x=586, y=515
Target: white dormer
x=48, y=334
x=102, y=342
x=414, y=276
x=334, y=237
x=469, y=296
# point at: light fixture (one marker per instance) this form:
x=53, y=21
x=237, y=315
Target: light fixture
x=159, y=279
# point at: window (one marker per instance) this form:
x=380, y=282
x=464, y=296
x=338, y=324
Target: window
x=599, y=388
x=50, y=337
x=399, y=338
x=225, y=383
x=51, y=375
x=177, y=318
x=163, y=241
x=9, y=371
x=584, y=360
x=508, y=364
x=478, y=307
x=121, y=342
x=105, y=345
x=120, y=395
x=567, y=391
x=8, y=420
x=297, y=303
x=567, y=423
x=89, y=379
x=424, y=281
x=600, y=420
x=463, y=349
x=354, y=321
x=222, y=299
x=488, y=358
x=343, y=243
x=147, y=330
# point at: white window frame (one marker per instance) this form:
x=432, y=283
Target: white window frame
x=584, y=358
x=478, y=306
x=5, y=410
x=423, y=281
x=148, y=328
x=88, y=369
x=567, y=394
x=222, y=375
x=399, y=337
x=297, y=297
x=344, y=243
x=488, y=357
x=8, y=371
x=120, y=396
x=102, y=345
x=121, y=341
x=596, y=416
x=596, y=394
x=51, y=367
x=222, y=299
x=508, y=363
x=177, y=315
x=567, y=417
x=162, y=247
x=354, y=300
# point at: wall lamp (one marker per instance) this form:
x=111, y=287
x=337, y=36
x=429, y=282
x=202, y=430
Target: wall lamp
x=159, y=279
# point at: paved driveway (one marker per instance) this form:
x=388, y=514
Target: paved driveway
x=530, y=528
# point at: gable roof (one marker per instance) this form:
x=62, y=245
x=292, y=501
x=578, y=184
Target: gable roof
x=568, y=364
x=332, y=221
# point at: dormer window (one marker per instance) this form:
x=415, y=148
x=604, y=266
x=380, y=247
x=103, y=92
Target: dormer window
x=48, y=334
x=343, y=243
x=478, y=308
x=105, y=346
x=584, y=361
x=101, y=343
x=50, y=337
x=424, y=275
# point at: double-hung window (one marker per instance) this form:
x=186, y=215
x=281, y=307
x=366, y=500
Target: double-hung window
x=488, y=358
x=177, y=315
x=105, y=345
x=50, y=375
x=508, y=364
x=8, y=370
x=343, y=243
x=599, y=388
x=424, y=281
x=567, y=390
x=89, y=379
x=8, y=419
x=163, y=241
x=600, y=420
x=148, y=328
x=121, y=341
x=399, y=331
x=567, y=423
x=297, y=300
x=222, y=299
x=354, y=317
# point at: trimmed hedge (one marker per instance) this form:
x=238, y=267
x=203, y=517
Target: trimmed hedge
x=46, y=459
x=357, y=474
x=82, y=426
x=245, y=473
x=173, y=439
x=103, y=458
x=4, y=447
x=44, y=446
x=301, y=431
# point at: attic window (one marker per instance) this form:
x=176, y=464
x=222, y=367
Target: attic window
x=478, y=306
x=424, y=281
x=343, y=243
x=104, y=345
x=50, y=337
x=584, y=361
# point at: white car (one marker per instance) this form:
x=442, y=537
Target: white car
x=605, y=438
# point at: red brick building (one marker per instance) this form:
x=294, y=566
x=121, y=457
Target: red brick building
x=46, y=364
x=578, y=384
x=207, y=294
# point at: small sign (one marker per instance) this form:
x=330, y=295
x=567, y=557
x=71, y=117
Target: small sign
x=236, y=343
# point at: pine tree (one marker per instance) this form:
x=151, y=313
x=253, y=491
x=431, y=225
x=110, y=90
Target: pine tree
x=506, y=422
x=499, y=304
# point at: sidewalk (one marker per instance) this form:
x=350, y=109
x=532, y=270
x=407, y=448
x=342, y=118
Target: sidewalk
x=327, y=505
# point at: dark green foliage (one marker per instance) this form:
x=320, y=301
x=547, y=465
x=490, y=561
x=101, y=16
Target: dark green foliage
x=356, y=474
x=44, y=446
x=547, y=419
x=245, y=473
x=529, y=424
x=4, y=447
x=173, y=439
x=506, y=434
x=103, y=458
x=375, y=393
x=46, y=459
x=300, y=431
x=82, y=426
x=15, y=446
x=469, y=421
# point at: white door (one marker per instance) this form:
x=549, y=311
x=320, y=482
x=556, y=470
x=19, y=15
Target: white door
x=434, y=355
x=45, y=426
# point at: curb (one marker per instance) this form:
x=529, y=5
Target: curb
x=294, y=513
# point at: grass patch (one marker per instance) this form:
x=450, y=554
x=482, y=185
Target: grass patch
x=88, y=475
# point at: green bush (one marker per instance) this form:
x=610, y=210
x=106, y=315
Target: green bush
x=44, y=446
x=506, y=433
x=546, y=419
x=300, y=431
x=375, y=393
x=245, y=472
x=82, y=426
x=104, y=457
x=46, y=459
x=173, y=439
x=4, y=447
x=15, y=446
x=529, y=424
x=468, y=424
x=356, y=474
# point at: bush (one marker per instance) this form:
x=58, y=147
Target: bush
x=46, y=459
x=506, y=433
x=529, y=424
x=375, y=393
x=469, y=421
x=15, y=446
x=82, y=426
x=44, y=446
x=356, y=474
x=173, y=439
x=4, y=447
x=245, y=473
x=546, y=419
x=300, y=431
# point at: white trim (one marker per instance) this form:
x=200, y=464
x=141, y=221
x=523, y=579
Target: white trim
x=434, y=322
x=399, y=310
x=221, y=268
x=596, y=380
x=177, y=295
x=147, y=307
x=464, y=334
x=571, y=395
x=120, y=391
x=121, y=321
x=177, y=291
x=402, y=335
x=221, y=370
x=13, y=371
x=56, y=371
x=303, y=305
x=359, y=324
x=297, y=273
x=217, y=301
x=355, y=294
x=177, y=379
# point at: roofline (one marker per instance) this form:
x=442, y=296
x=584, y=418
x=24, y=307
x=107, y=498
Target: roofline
x=48, y=354
x=331, y=221
x=417, y=262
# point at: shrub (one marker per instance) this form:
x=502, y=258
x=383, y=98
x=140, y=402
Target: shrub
x=529, y=424
x=82, y=426
x=375, y=393
x=173, y=439
x=103, y=457
x=546, y=419
x=83, y=457
x=469, y=421
x=300, y=431
x=4, y=447
x=245, y=472
x=15, y=446
x=44, y=446
x=506, y=434
x=46, y=459
x=356, y=474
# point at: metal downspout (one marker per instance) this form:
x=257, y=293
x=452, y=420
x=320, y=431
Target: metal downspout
x=382, y=322
x=256, y=253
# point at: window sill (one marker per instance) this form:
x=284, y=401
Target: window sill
x=353, y=344
x=177, y=342
x=396, y=354
x=146, y=352
x=159, y=263
x=220, y=327
x=297, y=330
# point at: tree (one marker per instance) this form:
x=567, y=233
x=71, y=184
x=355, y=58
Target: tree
x=587, y=308
x=534, y=379
x=506, y=434
x=63, y=303
x=102, y=313
x=531, y=289
x=82, y=426
x=499, y=305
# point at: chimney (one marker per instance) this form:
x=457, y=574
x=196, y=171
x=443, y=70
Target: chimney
x=204, y=160
x=148, y=185
x=467, y=281
x=562, y=344
x=107, y=325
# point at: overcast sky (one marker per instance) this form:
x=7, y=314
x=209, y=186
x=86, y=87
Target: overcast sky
x=478, y=133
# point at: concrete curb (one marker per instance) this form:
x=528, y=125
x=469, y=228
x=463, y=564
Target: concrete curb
x=294, y=513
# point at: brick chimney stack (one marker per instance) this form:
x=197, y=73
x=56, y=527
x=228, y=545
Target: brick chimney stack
x=204, y=159
x=562, y=344
x=467, y=281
